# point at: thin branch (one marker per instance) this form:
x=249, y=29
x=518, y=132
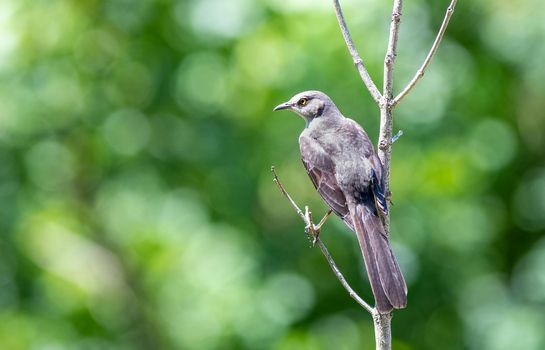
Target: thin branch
x=285, y=193
x=315, y=229
x=341, y=278
x=391, y=52
x=420, y=72
x=358, y=61
x=386, y=118
x=383, y=333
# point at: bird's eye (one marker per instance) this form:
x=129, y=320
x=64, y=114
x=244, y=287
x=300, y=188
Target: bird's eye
x=302, y=102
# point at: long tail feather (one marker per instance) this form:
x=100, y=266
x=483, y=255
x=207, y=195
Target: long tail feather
x=386, y=279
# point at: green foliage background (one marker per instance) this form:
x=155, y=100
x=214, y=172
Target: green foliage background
x=137, y=209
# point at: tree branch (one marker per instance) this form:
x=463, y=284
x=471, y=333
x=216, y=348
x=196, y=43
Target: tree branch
x=386, y=120
x=358, y=61
x=391, y=52
x=383, y=332
x=314, y=230
x=420, y=72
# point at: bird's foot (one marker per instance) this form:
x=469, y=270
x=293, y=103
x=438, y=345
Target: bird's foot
x=313, y=233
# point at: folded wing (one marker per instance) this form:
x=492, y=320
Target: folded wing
x=321, y=171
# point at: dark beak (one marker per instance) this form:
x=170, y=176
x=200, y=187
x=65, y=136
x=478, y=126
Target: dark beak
x=285, y=105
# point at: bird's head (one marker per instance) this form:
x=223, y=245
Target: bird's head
x=309, y=105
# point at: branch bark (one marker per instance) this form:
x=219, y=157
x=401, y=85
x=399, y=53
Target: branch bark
x=383, y=332
x=358, y=61
x=420, y=72
x=386, y=120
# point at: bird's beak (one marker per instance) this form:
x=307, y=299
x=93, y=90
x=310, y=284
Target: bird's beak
x=281, y=106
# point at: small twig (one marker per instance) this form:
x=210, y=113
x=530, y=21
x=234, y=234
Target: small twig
x=315, y=229
x=285, y=193
x=397, y=136
x=358, y=61
x=420, y=72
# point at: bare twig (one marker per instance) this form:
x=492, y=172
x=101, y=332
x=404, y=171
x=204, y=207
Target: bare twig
x=420, y=72
x=315, y=230
x=358, y=61
x=397, y=136
x=285, y=193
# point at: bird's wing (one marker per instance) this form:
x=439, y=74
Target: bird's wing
x=321, y=170
x=377, y=179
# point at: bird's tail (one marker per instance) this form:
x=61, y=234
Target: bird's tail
x=386, y=279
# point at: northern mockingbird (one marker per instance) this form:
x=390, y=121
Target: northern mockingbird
x=346, y=171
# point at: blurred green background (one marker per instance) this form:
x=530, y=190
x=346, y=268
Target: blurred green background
x=137, y=209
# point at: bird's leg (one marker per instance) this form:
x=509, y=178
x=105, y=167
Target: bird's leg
x=312, y=230
x=324, y=219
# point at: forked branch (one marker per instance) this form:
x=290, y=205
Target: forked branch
x=420, y=72
x=385, y=102
x=386, y=118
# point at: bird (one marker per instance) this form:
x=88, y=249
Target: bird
x=346, y=171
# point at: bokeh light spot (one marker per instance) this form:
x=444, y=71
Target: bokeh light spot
x=492, y=145
x=287, y=298
x=529, y=200
x=201, y=82
x=529, y=278
x=222, y=18
x=50, y=164
x=126, y=132
x=95, y=50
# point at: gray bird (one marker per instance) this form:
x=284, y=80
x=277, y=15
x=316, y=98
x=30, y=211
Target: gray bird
x=346, y=171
